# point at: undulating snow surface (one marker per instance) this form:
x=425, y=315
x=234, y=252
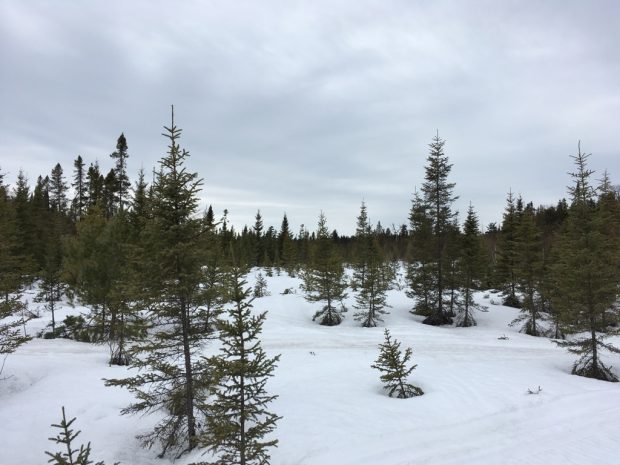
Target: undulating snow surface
x=475, y=410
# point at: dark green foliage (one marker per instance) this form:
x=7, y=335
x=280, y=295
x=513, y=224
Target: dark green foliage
x=470, y=267
x=527, y=271
x=286, y=248
x=507, y=253
x=323, y=278
x=58, y=190
x=432, y=222
x=173, y=377
x=120, y=173
x=585, y=275
x=80, y=199
x=371, y=275
x=420, y=275
x=66, y=438
x=393, y=366
x=238, y=421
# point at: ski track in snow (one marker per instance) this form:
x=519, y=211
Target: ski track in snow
x=475, y=410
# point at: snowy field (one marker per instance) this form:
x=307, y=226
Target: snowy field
x=475, y=411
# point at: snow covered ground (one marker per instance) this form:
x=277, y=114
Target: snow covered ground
x=475, y=410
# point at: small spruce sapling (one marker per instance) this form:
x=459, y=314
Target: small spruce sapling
x=393, y=366
x=65, y=437
x=260, y=287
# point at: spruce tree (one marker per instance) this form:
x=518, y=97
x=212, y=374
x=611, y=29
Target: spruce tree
x=508, y=253
x=238, y=420
x=438, y=198
x=80, y=198
x=173, y=377
x=394, y=371
x=324, y=279
x=11, y=270
x=120, y=170
x=286, y=248
x=420, y=254
x=470, y=270
x=58, y=190
x=94, y=185
x=66, y=438
x=527, y=270
x=585, y=274
x=260, y=287
x=371, y=276
x=259, y=246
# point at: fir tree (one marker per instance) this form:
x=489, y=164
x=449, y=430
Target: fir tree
x=323, y=279
x=239, y=422
x=94, y=185
x=363, y=232
x=585, y=276
x=173, y=377
x=393, y=366
x=259, y=246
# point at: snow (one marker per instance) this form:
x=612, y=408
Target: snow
x=475, y=409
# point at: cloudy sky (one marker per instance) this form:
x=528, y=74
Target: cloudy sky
x=298, y=107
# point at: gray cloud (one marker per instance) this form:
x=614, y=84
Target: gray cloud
x=302, y=107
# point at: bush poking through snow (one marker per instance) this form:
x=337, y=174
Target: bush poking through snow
x=65, y=437
x=260, y=288
x=393, y=366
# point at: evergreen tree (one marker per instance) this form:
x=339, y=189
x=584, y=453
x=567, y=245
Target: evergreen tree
x=508, y=253
x=585, y=274
x=94, y=185
x=238, y=419
x=11, y=268
x=527, y=271
x=259, y=246
x=260, y=287
x=120, y=171
x=323, y=279
x=438, y=199
x=420, y=275
x=371, y=276
x=66, y=438
x=24, y=222
x=173, y=377
x=80, y=198
x=470, y=270
x=393, y=366
x=58, y=190
x=286, y=248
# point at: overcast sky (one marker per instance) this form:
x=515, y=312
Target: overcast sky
x=299, y=107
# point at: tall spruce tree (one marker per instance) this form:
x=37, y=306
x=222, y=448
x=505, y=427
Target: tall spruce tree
x=585, y=274
x=11, y=280
x=324, y=279
x=508, y=253
x=80, y=198
x=173, y=376
x=527, y=271
x=438, y=198
x=120, y=170
x=420, y=276
x=238, y=420
x=58, y=190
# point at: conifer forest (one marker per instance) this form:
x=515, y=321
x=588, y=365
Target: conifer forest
x=146, y=319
